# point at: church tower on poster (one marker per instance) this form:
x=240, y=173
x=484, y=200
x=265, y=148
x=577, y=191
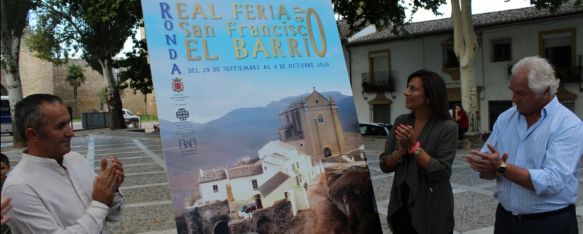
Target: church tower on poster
x=313, y=125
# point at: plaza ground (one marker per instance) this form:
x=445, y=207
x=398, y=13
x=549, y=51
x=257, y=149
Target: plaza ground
x=148, y=201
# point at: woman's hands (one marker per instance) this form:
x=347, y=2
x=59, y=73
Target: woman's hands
x=405, y=136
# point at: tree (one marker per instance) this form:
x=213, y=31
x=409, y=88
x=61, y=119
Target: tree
x=386, y=13
x=97, y=29
x=75, y=77
x=13, y=20
x=136, y=69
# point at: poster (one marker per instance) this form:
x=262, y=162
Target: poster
x=258, y=124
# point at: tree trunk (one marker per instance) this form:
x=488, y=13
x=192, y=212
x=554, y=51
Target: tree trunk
x=146, y=102
x=114, y=103
x=465, y=45
x=75, y=99
x=13, y=81
x=14, y=96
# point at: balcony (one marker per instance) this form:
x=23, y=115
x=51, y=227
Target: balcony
x=380, y=81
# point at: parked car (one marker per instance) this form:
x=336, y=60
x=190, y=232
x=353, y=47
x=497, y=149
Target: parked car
x=131, y=119
x=374, y=129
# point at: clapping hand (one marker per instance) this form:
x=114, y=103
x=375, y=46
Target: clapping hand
x=405, y=136
x=486, y=162
x=108, y=181
x=5, y=206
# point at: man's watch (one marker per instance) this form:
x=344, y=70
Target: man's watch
x=502, y=168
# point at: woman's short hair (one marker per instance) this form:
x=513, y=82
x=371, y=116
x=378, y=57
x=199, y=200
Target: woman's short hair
x=435, y=91
x=541, y=74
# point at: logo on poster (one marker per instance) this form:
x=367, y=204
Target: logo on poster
x=182, y=114
x=177, y=85
x=187, y=143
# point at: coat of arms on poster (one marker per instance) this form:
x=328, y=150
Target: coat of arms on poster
x=177, y=85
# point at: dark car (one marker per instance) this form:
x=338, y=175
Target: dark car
x=374, y=129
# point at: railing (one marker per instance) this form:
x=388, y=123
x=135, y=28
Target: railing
x=474, y=122
x=379, y=81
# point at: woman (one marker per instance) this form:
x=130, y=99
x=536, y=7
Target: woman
x=420, y=149
x=461, y=118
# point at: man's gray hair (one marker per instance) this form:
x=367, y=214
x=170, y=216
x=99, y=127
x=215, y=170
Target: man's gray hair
x=541, y=74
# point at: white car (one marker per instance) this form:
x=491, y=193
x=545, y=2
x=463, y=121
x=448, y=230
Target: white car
x=131, y=119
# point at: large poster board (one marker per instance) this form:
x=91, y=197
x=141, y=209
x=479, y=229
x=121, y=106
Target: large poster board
x=258, y=124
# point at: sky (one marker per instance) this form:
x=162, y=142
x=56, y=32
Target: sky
x=478, y=6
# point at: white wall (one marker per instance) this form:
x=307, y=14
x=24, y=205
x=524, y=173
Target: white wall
x=525, y=42
x=243, y=187
x=409, y=55
x=207, y=193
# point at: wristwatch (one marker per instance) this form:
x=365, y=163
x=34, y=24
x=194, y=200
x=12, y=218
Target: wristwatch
x=418, y=151
x=501, y=169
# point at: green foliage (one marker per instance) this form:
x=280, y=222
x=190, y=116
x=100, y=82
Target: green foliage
x=391, y=13
x=75, y=75
x=14, y=14
x=97, y=29
x=103, y=95
x=135, y=69
x=382, y=13
x=148, y=118
x=552, y=5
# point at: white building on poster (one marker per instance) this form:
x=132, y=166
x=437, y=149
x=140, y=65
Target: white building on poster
x=379, y=62
x=282, y=172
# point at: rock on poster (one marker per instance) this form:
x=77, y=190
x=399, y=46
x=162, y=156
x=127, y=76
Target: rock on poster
x=257, y=119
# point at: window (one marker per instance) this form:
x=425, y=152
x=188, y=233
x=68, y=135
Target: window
x=501, y=50
x=448, y=56
x=558, y=46
x=378, y=77
x=327, y=152
x=215, y=188
x=320, y=119
x=379, y=61
x=254, y=183
x=495, y=108
x=381, y=113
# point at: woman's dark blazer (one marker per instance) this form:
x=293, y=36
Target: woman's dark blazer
x=430, y=200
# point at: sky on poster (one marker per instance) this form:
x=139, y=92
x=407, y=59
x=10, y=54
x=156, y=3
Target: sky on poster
x=213, y=94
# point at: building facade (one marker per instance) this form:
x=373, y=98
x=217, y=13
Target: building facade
x=41, y=76
x=379, y=62
x=313, y=125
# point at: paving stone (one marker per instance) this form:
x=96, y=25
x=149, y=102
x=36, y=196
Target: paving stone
x=143, y=179
x=146, y=219
x=466, y=176
x=141, y=159
x=117, y=150
x=142, y=168
x=146, y=194
x=473, y=211
x=128, y=154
